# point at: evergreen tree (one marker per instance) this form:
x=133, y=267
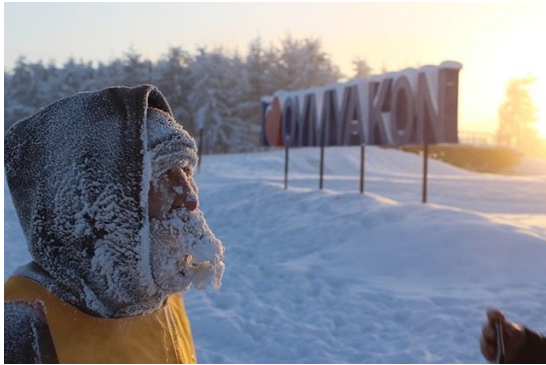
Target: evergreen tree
x=219, y=90
x=172, y=77
x=74, y=77
x=21, y=91
x=361, y=68
x=257, y=65
x=136, y=71
x=517, y=115
x=303, y=64
x=243, y=104
x=257, y=74
x=208, y=99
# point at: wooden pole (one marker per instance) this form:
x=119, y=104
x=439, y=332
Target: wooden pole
x=200, y=151
x=286, y=151
x=362, y=156
x=425, y=171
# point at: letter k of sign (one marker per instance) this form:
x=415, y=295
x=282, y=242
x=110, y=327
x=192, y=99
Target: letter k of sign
x=379, y=98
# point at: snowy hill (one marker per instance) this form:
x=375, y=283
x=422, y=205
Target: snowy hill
x=334, y=276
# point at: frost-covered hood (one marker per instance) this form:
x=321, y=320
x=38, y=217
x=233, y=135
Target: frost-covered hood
x=79, y=173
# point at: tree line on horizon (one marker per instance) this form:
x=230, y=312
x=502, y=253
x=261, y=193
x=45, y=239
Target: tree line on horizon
x=215, y=88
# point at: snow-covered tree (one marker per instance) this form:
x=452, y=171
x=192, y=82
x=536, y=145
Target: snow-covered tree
x=221, y=101
x=302, y=64
x=244, y=108
x=258, y=64
x=136, y=70
x=74, y=77
x=361, y=68
x=24, y=91
x=209, y=74
x=517, y=115
x=217, y=89
x=172, y=76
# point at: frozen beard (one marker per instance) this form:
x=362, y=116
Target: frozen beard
x=184, y=251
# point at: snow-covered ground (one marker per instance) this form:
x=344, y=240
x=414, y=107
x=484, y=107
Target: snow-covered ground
x=529, y=166
x=335, y=276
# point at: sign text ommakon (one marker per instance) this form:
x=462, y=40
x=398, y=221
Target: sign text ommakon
x=412, y=106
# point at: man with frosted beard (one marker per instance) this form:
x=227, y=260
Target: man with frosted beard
x=103, y=188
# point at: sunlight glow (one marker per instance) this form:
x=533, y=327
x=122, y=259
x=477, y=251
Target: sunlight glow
x=509, y=47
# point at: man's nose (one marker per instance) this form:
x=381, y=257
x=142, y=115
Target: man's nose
x=186, y=197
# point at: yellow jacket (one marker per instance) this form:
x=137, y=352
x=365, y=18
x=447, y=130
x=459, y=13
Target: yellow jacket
x=163, y=336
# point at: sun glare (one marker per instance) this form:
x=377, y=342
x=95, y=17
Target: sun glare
x=510, y=50
x=541, y=127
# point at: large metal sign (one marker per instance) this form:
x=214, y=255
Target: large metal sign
x=412, y=106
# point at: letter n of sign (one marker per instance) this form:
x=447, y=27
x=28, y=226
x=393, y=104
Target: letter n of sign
x=429, y=128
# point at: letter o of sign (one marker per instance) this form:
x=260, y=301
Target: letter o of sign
x=273, y=124
x=402, y=113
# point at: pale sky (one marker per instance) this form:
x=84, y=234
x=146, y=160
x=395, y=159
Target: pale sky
x=493, y=41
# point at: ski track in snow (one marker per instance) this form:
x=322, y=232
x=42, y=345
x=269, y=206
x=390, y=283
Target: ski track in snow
x=333, y=276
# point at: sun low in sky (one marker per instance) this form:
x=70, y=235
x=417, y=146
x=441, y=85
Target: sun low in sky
x=494, y=41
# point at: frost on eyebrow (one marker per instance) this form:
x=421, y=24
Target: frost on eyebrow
x=170, y=144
